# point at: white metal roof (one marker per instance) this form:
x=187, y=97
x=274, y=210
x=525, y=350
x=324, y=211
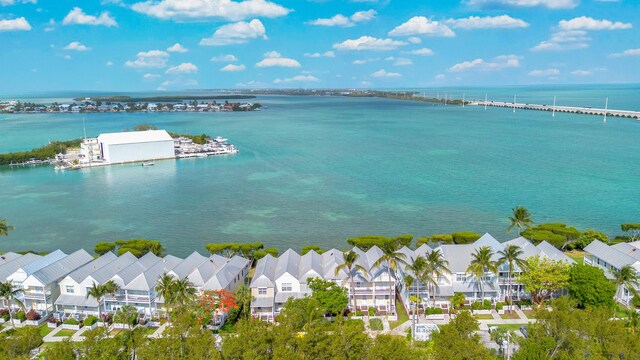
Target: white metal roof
x=133, y=137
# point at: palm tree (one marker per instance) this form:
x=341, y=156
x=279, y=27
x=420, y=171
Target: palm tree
x=5, y=228
x=125, y=314
x=512, y=255
x=481, y=263
x=633, y=319
x=350, y=264
x=10, y=293
x=98, y=292
x=417, y=268
x=521, y=218
x=391, y=257
x=625, y=277
x=408, y=282
x=164, y=289
x=437, y=266
x=183, y=291
x=243, y=296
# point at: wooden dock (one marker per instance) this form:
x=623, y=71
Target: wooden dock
x=563, y=109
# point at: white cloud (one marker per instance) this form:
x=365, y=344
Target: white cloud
x=210, y=9
x=275, y=59
x=364, y=61
x=67, y=57
x=587, y=23
x=13, y=2
x=51, y=27
x=298, y=78
x=251, y=84
x=77, y=46
x=382, y=73
x=224, y=58
x=544, y=72
x=150, y=76
x=149, y=59
x=109, y=63
x=564, y=40
x=236, y=33
x=344, y=21
x=440, y=77
x=402, y=62
x=369, y=43
x=184, y=68
x=630, y=52
x=498, y=63
x=232, y=67
x=581, y=72
x=176, y=82
x=487, y=22
x=414, y=40
x=551, y=4
x=177, y=48
x=329, y=54
x=78, y=17
x=422, y=52
x=19, y=24
x=420, y=25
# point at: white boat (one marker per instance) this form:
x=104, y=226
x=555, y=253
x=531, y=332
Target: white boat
x=221, y=139
x=148, y=163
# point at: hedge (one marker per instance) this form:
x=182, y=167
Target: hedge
x=71, y=321
x=90, y=321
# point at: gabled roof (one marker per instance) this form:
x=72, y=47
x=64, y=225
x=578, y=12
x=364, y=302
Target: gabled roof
x=263, y=275
x=609, y=254
x=331, y=259
x=82, y=272
x=12, y=266
x=146, y=280
x=7, y=257
x=106, y=272
x=628, y=249
x=188, y=265
x=289, y=262
x=310, y=266
x=43, y=261
x=552, y=252
x=62, y=267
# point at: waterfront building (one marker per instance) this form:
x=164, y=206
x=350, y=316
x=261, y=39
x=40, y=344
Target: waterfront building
x=136, y=146
x=613, y=257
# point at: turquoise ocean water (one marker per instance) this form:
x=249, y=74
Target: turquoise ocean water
x=317, y=170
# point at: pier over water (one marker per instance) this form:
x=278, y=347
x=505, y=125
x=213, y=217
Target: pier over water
x=565, y=109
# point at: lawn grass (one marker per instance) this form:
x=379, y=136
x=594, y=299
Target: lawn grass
x=483, y=316
x=115, y=332
x=402, y=315
x=150, y=330
x=512, y=315
x=44, y=330
x=576, y=255
x=65, y=332
x=531, y=314
x=508, y=327
x=375, y=324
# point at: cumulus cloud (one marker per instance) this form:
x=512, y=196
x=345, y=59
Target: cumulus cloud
x=420, y=25
x=364, y=61
x=487, y=22
x=210, y=9
x=232, y=67
x=587, y=23
x=329, y=54
x=382, y=73
x=149, y=59
x=236, y=33
x=77, y=46
x=19, y=24
x=184, y=68
x=177, y=48
x=150, y=76
x=369, y=43
x=344, y=21
x=414, y=40
x=224, y=58
x=275, y=59
x=298, y=78
x=78, y=17
x=630, y=52
x=544, y=72
x=564, y=40
x=498, y=63
x=422, y=52
x=51, y=26
x=13, y=2
x=551, y=4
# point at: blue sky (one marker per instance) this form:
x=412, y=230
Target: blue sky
x=125, y=45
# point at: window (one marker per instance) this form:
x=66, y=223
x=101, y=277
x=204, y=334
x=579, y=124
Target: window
x=461, y=277
x=262, y=291
x=287, y=287
x=69, y=289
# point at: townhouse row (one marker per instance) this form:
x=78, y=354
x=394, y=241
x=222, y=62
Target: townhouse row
x=58, y=283
x=613, y=257
x=277, y=279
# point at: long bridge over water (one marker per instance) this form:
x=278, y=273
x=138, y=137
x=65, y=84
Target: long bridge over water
x=564, y=109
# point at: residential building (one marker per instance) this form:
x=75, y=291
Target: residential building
x=613, y=257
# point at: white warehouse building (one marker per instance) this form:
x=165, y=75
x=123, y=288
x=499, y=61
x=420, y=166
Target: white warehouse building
x=136, y=146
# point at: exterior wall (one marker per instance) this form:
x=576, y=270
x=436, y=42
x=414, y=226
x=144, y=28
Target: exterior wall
x=288, y=279
x=116, y=153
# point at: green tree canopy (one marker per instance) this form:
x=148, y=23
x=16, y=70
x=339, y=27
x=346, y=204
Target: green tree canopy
x=458, y=339
x=331, y=296
x=103, y=247
x=137, y=247
x=246, y=250
x=557, y=234
x=307, y=248
x=465, y=237
x=589, y=287
x=543, y=277
x=366, y=242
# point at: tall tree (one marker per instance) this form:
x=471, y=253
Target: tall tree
x=511, y=255
x=625, y=277
x=437, y=266
x=417, y=268
x=5, y=228
x=164, y=288
x=391, y=257
x=99, y=291
x=520, y=219
x=184, y=291
x=350, y=264
x=543, y=277
x=589, y=287
x=10, y=293
x=481, y=263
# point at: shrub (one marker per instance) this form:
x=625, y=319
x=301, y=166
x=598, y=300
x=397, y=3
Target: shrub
x=636, y=301
x=33, y=315
x=52, y=320
x=372, y=311
x=476, y=305
x=458, y=300
x=486, y=304
x=433, y=311
x=525, y=302
x=4, y=312
x=499, y=306
x=21, y=316
x=359, y=313
x=90, y=321
x=441, y=238
x=465, y=237
x=5, y=317
x=71, y=321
